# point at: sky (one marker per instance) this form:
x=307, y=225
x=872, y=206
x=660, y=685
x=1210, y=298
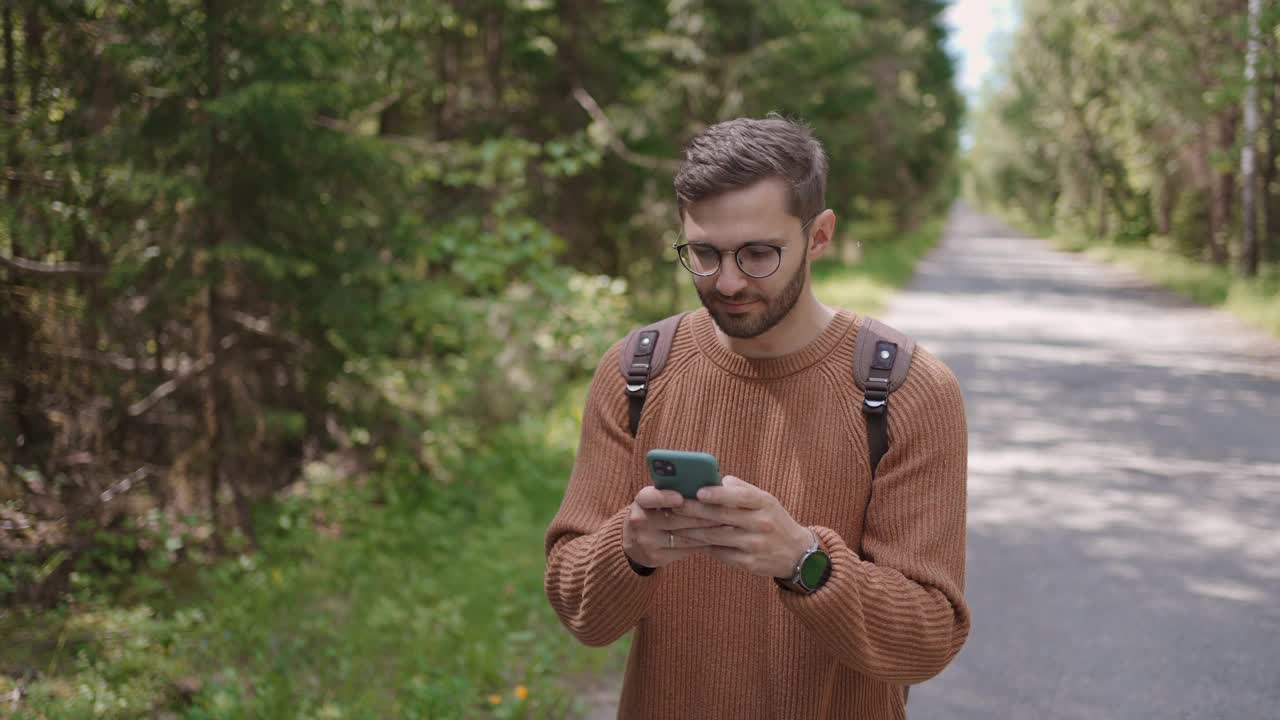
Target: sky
x=974, y=23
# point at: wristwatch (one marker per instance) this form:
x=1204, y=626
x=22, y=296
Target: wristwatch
x=811, y=572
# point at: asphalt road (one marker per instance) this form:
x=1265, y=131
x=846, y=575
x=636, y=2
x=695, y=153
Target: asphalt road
x=1124, y=488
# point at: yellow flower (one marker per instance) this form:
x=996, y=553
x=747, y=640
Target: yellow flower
x=522, y=692
x=495, y=699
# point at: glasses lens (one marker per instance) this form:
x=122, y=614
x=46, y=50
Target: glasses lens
x=700, y=259
x=758, y=260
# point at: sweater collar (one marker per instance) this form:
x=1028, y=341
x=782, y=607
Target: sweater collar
x=704, y=333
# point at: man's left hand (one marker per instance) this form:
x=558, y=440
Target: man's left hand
x=757, y=535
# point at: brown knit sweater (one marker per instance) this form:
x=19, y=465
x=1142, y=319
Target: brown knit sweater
x=713, y=641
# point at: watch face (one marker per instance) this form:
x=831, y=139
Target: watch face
x=814, y=567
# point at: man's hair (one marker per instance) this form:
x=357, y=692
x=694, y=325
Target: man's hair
x=737, y=153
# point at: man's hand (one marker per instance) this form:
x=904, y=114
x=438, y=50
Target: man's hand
x=648, y=535
x=756, y=533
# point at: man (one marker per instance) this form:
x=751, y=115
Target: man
x=761, y=378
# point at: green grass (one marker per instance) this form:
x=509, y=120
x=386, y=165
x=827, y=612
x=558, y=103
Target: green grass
x=428, y=603
x=1254, y=300
x=397, y=596
x=887, y=263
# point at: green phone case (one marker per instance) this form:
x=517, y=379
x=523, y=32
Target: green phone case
x=682, y=471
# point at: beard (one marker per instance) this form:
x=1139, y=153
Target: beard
x=756, y=321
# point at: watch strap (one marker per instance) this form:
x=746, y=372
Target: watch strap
x=637, y=567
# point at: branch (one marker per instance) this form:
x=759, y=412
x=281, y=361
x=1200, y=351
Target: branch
x=593, y=109
x=167, y=387
x=420, y=144
x=349, y=126
x=119, y=362
x=38, y=268
x=124, y=484
x=263, y=328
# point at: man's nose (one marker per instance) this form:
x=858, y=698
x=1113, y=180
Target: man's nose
x=730, y=280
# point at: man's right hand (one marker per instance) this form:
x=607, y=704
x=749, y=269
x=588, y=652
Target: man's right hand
x=646, y=535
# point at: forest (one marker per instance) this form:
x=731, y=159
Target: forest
x=299, y=298
x=1152, y=123
x=270, y=268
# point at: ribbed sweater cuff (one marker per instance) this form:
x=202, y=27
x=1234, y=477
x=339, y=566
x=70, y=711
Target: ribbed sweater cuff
x=878, y=627
x=613, y=573
x=593, y=588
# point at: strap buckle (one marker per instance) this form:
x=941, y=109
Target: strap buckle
x=876, y=396
x=638, y=380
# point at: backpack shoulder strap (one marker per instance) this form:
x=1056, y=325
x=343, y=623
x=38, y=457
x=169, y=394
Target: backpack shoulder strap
x=644, y=354
x=881, y=359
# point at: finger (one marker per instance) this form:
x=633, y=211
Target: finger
x=720, y=514
x=676, y=522
x=722, y=535
x=666, y=540
x=667, y=556
x=734, y=492
x=651, y=498
x=729, y=556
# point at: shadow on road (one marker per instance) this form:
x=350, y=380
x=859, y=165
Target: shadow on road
x=1124, y=509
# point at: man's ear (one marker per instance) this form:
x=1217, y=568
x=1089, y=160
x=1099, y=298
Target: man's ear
x=824, y=228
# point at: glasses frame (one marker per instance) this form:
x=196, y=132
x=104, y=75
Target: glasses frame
x=738, y=259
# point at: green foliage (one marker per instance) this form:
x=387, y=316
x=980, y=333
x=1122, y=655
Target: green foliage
x=388, y=596
x=888, y=260
x=292, y=285
x=104, y=661
x=1120, y=120
x=392, y=598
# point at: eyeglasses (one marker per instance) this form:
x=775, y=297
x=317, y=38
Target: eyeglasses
x=755, y=259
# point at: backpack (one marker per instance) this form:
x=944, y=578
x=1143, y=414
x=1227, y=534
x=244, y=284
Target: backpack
x=881, y=358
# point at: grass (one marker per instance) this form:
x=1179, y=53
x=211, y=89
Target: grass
x=398, y=597
x=426, y=603
x=887, y=262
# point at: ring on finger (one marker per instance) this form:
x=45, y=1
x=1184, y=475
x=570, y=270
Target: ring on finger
x=671, y=540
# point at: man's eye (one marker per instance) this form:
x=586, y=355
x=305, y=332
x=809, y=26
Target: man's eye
x=757, y=252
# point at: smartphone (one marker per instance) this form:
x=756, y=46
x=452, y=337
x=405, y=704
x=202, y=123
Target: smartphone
x=682, y=471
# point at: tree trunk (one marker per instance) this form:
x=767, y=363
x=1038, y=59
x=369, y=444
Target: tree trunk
x=102, y=102
x=1248, y=264
x=29, y=435
x=37, y=115
x=34, y=50
x=1222, y=190
x=447, y=71
x=494, y=51
x=12, y=116
x=208, y=332
x=1270, y=241
x=391, y=121
x=1100, y=204
x=1168, y=200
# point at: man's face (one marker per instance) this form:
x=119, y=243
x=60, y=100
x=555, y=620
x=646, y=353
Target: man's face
x=744, y=306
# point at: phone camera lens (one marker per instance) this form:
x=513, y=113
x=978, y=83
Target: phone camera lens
x=662, y=467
